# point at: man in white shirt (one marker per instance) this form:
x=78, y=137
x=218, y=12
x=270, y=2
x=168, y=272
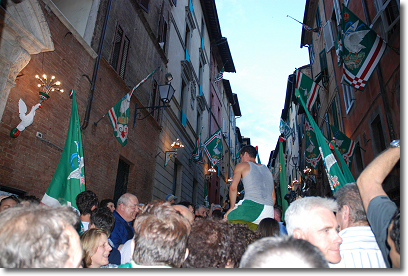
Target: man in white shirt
x=359, y=248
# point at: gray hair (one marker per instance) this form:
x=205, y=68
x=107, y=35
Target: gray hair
x=297, y=216
x=350, y=195
x=161, y=235
x=282, y=252
x=124, y=199
x=35, y=236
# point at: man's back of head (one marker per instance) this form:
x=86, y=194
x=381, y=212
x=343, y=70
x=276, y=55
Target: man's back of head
x=161, y=235
x=39, y=237
x=86, y=201
x=217, y=244
x=350, y=205
x=102, y=217
x=282, y=252
x=251, y=150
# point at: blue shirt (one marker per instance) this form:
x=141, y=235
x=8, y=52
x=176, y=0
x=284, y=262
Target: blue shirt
x=122, y=231
x=282, y=229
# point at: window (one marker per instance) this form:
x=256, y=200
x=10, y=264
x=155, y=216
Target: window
x=155, y=100
x=120, y=52
x=377, y=133
x=323, y=68
x=187, y=43
x=389, y=12
x=358, y=160
x=334, y=113
x=162, y=37
x=348, y=94
x=144, y=4
x=318, y=20
x=311, y=53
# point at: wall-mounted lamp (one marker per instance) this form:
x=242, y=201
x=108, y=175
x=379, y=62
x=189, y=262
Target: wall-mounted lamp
x=307, y=170
x=229, y=180
x=47, y=85
x=177, y=144
x=166, y=92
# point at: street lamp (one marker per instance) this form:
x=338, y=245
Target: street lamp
x=166, y=92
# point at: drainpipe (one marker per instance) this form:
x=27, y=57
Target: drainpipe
x=96, y=68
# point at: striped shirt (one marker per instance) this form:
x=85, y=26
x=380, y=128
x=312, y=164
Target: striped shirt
x=359, y=249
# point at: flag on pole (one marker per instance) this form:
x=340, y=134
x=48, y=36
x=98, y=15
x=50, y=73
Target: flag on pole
x=285, y=129
x=168, y=155
x=308, y=88
x=213, y=147
x=345, y=145
x=119, y=118
x=362, y=50
x=306, y=27
x=346, y=171
x=333, y=171
x=220, y=75
x=69, y=177
x=313, y=155
x=282, y=177
x=119, y=114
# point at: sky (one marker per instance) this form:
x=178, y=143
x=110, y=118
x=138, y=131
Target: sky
x=265, y=48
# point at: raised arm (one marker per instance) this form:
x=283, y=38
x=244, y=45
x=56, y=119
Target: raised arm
x=370, y=180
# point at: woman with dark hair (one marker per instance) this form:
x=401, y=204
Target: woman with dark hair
x=268, y=227
x=107, y=203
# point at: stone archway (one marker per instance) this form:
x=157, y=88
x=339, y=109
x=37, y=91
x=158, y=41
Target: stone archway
x=24, y=32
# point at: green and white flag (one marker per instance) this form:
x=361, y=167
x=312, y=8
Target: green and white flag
x=346, y=171
x=313, y=155
x=119, y=118
x=333, y=171
x=282, y=178
x=213, y=147
x=168, y=155
x=119, y=114
x=345, y=145
x=69, y=177
x=308, y=88
x=285, y=129
x=361, y=52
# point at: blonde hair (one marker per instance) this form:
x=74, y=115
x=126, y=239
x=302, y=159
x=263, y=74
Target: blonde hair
x=89, y=243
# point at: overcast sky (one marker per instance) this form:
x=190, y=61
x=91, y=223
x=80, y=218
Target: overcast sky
x=265, y=47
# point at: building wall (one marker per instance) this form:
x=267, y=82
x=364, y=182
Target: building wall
x=28, y=163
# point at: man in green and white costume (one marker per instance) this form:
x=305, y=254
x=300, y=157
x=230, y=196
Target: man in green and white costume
x=259, y=191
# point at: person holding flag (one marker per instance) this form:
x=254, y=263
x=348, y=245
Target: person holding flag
x=259, y=189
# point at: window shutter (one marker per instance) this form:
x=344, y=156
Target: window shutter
x=328, y=35
x=337, y=11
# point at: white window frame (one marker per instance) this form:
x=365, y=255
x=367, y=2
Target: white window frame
x=380, y=7
x=337, y=11
x=328, y=35
x=348, y=95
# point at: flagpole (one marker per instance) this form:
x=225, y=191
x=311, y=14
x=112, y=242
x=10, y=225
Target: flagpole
x=131, y=93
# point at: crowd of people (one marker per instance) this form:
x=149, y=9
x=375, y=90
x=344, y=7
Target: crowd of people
x=358, y=228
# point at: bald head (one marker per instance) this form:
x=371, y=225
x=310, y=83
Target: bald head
x=185, y=212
